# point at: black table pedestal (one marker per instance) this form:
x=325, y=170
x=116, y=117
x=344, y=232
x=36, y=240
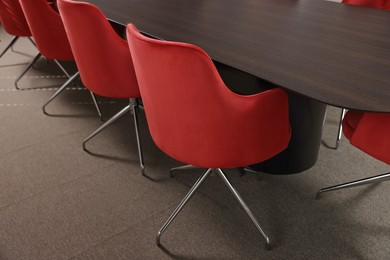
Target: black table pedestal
x=306, y=118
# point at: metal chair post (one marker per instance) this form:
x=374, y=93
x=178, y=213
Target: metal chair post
x=60, y=90
x=36, y=58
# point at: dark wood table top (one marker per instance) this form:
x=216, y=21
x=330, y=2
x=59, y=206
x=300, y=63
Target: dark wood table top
x=337, y=54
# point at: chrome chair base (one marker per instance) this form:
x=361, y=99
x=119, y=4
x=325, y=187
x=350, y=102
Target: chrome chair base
x=96, y=105
x=377, y=178
x=9, y=46
x=36, y=58
x=30, y=39
x=63, y=87
x=106, y=124
x=134, y=107
x=60, y=90
x=241, y=171
x=195, y=187
x=12, y=43
x=62, y=68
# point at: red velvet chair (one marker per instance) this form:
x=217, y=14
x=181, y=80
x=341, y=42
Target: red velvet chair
x=103, y=59
x=380, y=4
x=13, y=22
x=370, y=132
x=47, y=30
x=51, y=40
x=194, y=118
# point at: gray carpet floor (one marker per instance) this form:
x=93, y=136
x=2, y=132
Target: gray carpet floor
x=59, y=202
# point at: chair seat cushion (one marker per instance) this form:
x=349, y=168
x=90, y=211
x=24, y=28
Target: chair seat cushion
x=370, y=132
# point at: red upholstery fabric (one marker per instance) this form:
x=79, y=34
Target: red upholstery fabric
x=102, y=57
x=13, y=19
x=47, y=29
x=194, y=117
x=370, y=133
x=380, y=4
x=350, y=123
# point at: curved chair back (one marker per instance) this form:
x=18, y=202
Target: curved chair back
x=380, y=4
x=370, y=132
x=102, y=57
x=194, y=117
x=13, y=19
x=47, y=29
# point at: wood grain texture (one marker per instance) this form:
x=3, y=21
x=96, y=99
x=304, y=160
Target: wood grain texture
x=337, y=54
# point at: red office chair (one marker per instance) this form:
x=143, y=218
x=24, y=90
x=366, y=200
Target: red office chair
x=196, y=119
x=103, y=59
x=370, y=132
x=380, y=4
x=51, y=40
x=14, y=22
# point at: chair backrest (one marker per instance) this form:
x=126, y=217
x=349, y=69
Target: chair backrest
x=194, y=117
x=102, y=57
x=370, y=133
x=380, y=4
x=13, y=19
x=47, y=29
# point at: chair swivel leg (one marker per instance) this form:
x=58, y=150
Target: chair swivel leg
x=36, y=58
x=245, y=207
x=60, y=90
x=194, y=189
x=135, y=107
x=377, y=178
x=106, y=124
x=62, y=68
x=9, y=46
x=241, y=171
x=189, y=195
x=340, y=130
x=98, y=110
x=32, y=41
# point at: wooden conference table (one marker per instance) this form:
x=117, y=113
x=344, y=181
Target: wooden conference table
x=321, y=52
